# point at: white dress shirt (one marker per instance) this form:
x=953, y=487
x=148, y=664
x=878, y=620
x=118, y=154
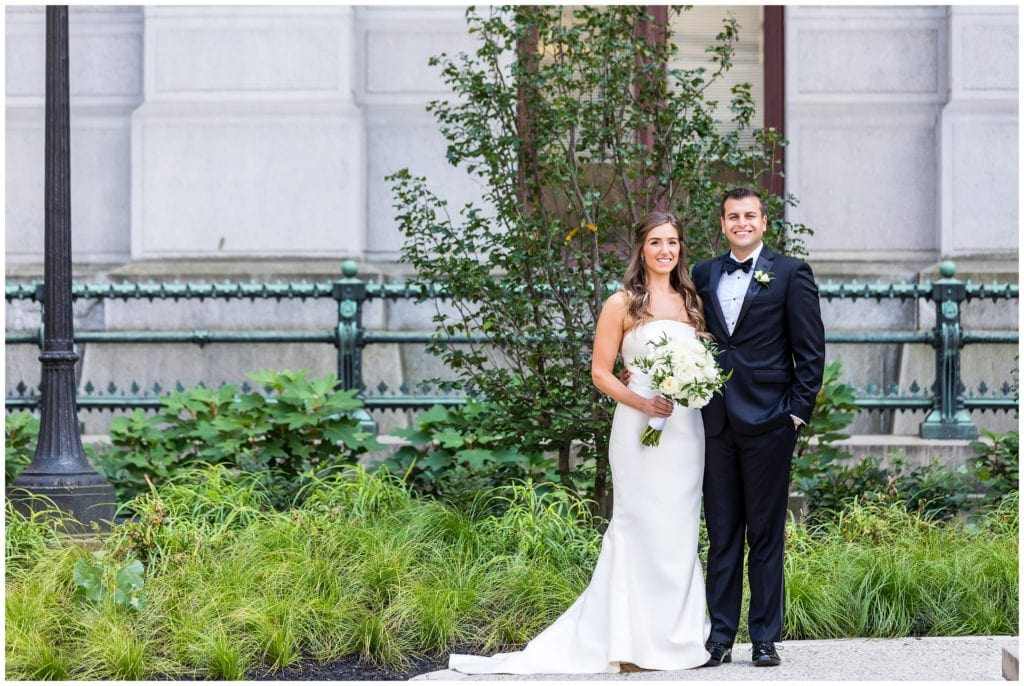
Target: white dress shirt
x=732, y=289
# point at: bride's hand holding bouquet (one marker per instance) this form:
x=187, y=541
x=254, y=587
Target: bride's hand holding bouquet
x=684, y=371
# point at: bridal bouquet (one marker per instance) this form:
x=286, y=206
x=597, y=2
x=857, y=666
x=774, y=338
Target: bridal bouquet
x=684, y=371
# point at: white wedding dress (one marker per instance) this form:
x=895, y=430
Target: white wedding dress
x=645, y=602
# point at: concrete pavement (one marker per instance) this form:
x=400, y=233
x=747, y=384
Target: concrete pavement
x=970, y=658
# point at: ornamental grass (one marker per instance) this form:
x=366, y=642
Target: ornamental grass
x=361, y=567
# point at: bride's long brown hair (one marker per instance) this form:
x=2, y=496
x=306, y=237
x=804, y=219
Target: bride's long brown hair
x=638, y=297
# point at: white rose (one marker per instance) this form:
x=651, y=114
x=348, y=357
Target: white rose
x=699, y=401
x=695, y=347
x=686, y=375
x=669, y=385
x=678, y=350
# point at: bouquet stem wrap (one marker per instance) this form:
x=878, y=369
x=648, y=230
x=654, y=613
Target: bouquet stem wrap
x=651, y=436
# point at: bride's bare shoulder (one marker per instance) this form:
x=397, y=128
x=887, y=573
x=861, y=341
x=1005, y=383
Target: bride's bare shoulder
x=617, y=301
x=616, y=308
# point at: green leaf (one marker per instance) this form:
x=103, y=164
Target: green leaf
x=437, y=414
x=88, y=577
x=131, y=576
x=438, y=460
x=476, y=458
x=414, y=436
x=449, y=437
x=507, y=455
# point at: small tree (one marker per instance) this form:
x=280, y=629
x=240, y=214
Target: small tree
x=576, y=126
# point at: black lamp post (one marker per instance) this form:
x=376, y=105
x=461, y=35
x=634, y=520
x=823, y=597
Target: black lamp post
x=60, y=470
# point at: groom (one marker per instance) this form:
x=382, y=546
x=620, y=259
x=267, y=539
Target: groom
x=762, y=308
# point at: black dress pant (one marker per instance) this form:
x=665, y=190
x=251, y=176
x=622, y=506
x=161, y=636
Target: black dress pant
x=746, y=493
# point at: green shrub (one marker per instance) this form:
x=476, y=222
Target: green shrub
x=878, y=570
x=836, y=486
x=934, y=490
x=20, y=432
x=453, y=455
x=300, y=428
x=997, y=466
x=833, y=411
x=361, y=568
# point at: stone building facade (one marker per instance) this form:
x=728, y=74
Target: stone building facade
x=252, y=142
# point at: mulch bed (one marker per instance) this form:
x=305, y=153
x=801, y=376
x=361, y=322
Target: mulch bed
x=345, y=669
x=349, y=669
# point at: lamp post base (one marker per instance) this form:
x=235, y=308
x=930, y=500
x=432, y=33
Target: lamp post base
x=78, y=496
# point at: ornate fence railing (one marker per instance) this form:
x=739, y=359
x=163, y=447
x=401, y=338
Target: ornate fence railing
x=946, y=399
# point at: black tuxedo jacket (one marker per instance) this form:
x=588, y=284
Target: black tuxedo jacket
x=776, y=351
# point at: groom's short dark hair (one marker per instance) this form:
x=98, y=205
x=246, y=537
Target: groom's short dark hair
x=739, y=194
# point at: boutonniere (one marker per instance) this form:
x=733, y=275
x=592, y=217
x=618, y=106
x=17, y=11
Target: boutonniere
x=762, y=277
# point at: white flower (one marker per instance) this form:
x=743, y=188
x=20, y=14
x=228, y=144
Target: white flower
x=763, y=277
x=677, y=350
x=669, y=385
x=684, y=371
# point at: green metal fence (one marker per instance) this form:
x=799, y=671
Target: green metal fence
x=946, y=399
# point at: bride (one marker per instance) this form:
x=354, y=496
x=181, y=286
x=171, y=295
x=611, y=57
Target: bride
x=645, y=603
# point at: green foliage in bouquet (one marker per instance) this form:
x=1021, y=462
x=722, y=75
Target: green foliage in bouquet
x=575, y=127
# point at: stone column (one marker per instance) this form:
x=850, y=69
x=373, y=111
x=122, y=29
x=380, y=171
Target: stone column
x=979, y=133
x=864, y=86
x=249, y=143
x=106, y=85
x=394, y=85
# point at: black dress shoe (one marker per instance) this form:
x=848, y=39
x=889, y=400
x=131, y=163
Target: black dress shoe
x=764, y=654
x=719, y=653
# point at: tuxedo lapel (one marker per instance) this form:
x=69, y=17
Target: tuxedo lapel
x=713, y=279
x=764, y=264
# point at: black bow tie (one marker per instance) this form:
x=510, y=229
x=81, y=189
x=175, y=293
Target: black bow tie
x=730, y=265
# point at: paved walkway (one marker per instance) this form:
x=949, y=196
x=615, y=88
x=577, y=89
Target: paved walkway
x=973, y=658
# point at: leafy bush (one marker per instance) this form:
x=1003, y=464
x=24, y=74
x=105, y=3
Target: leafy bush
x=998, y=465
x=300, y=428
x=453, y=455
x=21, y=430
x=835, y=486
x=833, y=411
x=934, y=490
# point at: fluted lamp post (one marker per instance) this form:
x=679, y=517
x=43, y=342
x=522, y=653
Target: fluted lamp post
x=60, y=470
